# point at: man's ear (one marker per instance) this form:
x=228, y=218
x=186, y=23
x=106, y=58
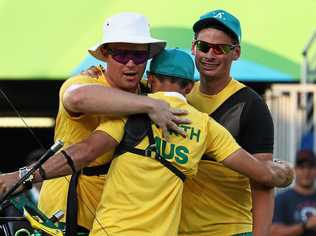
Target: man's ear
x=104, y=53
x=188, y=88
x=150, y=78
x=236, y=54
x=193, y=48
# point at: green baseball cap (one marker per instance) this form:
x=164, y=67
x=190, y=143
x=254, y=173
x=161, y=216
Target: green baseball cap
x=224, y=19
x=174, y=63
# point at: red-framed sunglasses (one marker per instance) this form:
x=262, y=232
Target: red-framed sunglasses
x=217, y=49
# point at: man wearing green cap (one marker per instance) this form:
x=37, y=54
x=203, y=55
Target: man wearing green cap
x=220, y=201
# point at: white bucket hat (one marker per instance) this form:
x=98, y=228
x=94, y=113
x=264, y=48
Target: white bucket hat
x=128, y=28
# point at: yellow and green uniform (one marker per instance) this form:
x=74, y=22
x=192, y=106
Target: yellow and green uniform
x=141, y=196
x=217, y=201
x=70, y=130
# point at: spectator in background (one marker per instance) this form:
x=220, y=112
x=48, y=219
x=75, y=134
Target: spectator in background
x=295, y=208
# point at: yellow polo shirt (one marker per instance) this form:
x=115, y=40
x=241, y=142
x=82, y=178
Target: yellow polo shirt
x=141, y=196
x=70, y=130
x=217, y=201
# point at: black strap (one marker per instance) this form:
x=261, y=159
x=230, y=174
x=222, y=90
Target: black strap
x=69, y=161
x=163, y=161
x=42, y=173
x=96, y=170
x=208, y=158
x=138, y=127
x=72, y=206
x=72, y=197
x=217, y=114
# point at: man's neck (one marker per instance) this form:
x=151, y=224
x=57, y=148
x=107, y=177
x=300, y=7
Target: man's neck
x=136, y=90
x=304, y=191
x=212, y=86
x=170, y=90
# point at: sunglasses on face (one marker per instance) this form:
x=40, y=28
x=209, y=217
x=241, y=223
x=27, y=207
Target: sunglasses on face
x=217, y=49
x=124, y=56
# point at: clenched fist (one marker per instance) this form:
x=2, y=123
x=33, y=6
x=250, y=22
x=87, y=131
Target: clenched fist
x=283, y=173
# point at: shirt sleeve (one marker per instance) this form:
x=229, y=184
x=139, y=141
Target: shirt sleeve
x=113, y=127
x=220, y=143
x=257, y=128
x=83, y=80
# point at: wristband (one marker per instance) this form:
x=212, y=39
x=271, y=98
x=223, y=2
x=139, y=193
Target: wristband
x=69, y=161
x=42, y=173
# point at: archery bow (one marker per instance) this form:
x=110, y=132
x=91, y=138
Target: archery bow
x=42, y=146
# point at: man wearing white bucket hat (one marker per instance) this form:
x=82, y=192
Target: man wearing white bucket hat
x=126, y=47
x=128, y=28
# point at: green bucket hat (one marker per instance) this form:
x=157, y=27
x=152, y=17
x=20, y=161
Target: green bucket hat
x=174, y=63
x=219, y=18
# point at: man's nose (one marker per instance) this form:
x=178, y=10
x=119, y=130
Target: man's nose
x=130, y=63
x=210, y=53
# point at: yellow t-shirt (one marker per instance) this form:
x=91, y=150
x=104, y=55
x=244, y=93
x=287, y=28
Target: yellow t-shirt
x=53, y=195
x=217, y=201
x=141, y=196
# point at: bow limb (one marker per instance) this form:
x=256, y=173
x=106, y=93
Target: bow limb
x=7, y=99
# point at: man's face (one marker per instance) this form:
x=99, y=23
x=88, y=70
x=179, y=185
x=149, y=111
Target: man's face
x=305, y=175
x=125, y=64
x=210, y=64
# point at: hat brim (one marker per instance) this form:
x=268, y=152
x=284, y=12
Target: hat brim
x=156, y=45
x=209, y=22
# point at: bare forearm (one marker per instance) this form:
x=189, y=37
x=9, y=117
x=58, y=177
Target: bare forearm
x=97, y=99
x=262, y=209
x=261, y=170
x=256, y=169
x=81, y=154
x=58, y=166
x=54, y=167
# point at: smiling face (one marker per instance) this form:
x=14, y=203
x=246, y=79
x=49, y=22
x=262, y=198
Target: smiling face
x=209, y=64
x=124, y=73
